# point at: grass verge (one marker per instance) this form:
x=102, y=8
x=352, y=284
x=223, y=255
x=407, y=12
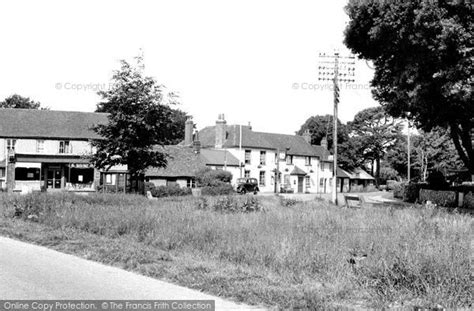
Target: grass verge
x=304, y=255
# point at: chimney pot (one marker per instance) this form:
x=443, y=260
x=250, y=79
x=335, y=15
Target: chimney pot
x=220, y=131
x=188, y=132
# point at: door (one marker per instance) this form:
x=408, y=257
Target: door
x=54, y=177
x=300, y=184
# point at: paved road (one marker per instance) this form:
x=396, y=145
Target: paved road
x=34, y=272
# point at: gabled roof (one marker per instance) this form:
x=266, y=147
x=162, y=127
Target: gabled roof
x=356, y=173
x=297, y=171
x=184, y=162
x=259, y=140
x=218, y=157
x=49, y=124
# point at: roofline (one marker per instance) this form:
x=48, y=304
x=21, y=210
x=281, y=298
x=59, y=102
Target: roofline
x=50, y=137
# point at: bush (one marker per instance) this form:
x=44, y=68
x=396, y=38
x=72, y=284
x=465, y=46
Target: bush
x=220, y=189
x=208, y=177
x=411, y=191
x=398, y=189
x=468, y=200
x=438, y=197
x=170, y=191
x=230, y=204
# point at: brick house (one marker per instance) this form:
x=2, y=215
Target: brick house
x=44, y=150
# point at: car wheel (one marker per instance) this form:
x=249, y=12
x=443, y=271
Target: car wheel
x=243, y=191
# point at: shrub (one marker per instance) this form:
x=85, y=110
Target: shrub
x=170, y=191
x=468, y=200
x=221, y=189
x=398, y=189
x=208, y=177
x=230, y=204
x=214, y=182
x=411, y=192
x=438, y=197
x=288, y=202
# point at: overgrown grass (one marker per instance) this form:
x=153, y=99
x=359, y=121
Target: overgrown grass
x=303, y=255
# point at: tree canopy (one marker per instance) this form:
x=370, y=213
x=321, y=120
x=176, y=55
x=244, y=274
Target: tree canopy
x=322, y=126
x=20, y=102
x=423, y=57
x=139, y=119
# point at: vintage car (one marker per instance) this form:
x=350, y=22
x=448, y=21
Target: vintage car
x=247, y=185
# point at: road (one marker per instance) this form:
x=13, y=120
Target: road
x=33, y=272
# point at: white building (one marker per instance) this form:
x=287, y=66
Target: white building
x=304, y=168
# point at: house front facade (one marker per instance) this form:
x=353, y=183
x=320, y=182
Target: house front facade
x=289, y=162
x=42, y=150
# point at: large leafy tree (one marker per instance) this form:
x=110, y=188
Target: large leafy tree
x=422, y=52
x=375, y=132
x=140, y=117
x=430, y=151
x=20, y=102
x=322, y=126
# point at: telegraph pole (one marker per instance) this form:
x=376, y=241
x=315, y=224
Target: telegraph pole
x=335, y=68
x=408, y=150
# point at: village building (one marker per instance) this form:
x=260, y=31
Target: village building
x=302, y=167
x=185, y=161
x=45, y=150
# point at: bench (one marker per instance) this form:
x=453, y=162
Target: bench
x=353, y=201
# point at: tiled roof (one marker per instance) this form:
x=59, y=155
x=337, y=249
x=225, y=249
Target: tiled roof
x=322, y=152
x=31, y=123
x=184, y=162
x=297, y=144
x=356, y=173
x=218, y=157
x=297, y=171
x=359, y=173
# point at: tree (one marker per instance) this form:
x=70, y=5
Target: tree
x=20, y=102
x=422, y=53
x=322, y=126
x=430, y=151
x=376, y=132
x=139, y=119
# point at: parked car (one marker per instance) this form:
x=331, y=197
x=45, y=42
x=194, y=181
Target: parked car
x=247, y=185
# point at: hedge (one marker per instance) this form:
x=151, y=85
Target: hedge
x=438, y=197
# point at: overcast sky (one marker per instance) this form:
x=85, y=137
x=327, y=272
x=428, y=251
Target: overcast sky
x=254, y=61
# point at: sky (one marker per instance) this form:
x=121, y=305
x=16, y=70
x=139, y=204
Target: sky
x=254, y=61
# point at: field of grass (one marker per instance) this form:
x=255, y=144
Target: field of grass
x=305, y=255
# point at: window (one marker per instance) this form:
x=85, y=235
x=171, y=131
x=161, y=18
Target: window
x=11, y=144
x=2, y=172
x=191, y=183
x=64, y=146
x=289, y=159
x=307, y=182
x=321, y=182
x=39, y=146
x=24, y=173
x=261, y=180
x=110, y=179
x=247, y=174
x=286, y=180
x=307, y=161
x=247, y=156
x=263, y=156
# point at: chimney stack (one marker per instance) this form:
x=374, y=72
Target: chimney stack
x=220, y=131
x=188, y=132
x=324, y=143
x=196, y=143
x=307, y=136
